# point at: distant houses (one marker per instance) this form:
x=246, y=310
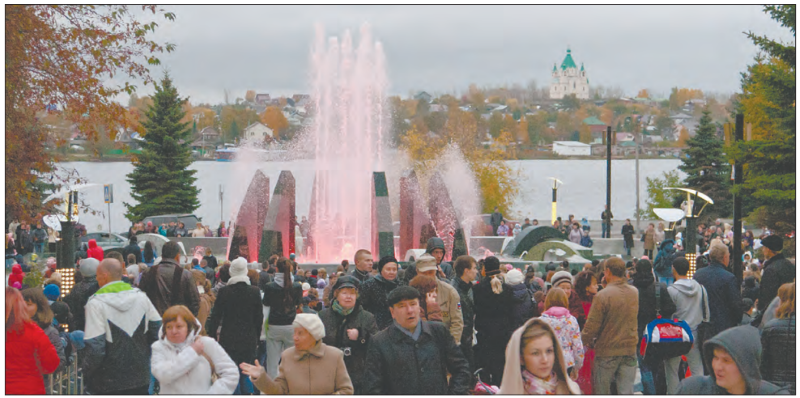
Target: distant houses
x=257, y=132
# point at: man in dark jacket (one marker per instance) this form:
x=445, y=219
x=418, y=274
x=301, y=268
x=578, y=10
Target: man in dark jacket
x=413, y=357
x=627, y=235
x=363, y=260
x=375, y=291
x=466, y=273
x=167, y=284
x=133, y=248
x=24, y=239
x=435, y=247
x=39, y=239
x=495, y=220
x=80, y=293
x=606, y=217
x=724, y=295
x=121, y=324
x=238, y=314
x=734, y=356
x=777, y=271
x=349, y=328
x=493, y=322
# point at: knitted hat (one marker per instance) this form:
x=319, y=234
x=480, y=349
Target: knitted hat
x=52, y=292
x=561, y=276
x=239, y=267
x=773, y=242
x=426, y=262
x=89, y=267
x=311, y=323
x=514, y=277
x=386, y=260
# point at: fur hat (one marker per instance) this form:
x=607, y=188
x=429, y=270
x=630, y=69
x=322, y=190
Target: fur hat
x=514, y=277
x=773, y=242
x=89, y=267
x=312, y=323
x=561, y=276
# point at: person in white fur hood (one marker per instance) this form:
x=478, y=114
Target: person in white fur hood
x=183, y=362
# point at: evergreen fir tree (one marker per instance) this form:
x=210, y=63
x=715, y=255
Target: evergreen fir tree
x=234, y=131
x=707, y=169
x=161, y=181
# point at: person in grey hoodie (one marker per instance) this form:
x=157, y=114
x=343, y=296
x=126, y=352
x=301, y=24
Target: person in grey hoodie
x=689, y=299
x=734, y=355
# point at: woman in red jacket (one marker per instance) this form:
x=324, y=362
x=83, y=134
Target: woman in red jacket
x=94, y=251
x=29, y=353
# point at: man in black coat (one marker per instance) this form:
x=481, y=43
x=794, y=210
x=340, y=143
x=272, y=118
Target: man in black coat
x=493, y=322
x=81, y=292
x=466, y=273
x=724, y=293
x=495, y=220
x=777, y=271
x=413, y=357
x=133, y=248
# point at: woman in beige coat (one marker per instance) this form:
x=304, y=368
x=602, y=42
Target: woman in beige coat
x=309, y=368
x=535, y=363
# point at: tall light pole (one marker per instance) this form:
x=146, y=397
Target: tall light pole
x=556, y=181
x=690, y=245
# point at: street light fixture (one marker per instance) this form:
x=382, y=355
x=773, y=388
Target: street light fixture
x=556, y=181
x=690, y=245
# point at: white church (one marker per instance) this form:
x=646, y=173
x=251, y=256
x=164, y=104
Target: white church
x=569, y=80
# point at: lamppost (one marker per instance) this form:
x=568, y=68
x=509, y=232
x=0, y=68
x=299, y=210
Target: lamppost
x=556, y=181
x=690, y=240
x=671, y=216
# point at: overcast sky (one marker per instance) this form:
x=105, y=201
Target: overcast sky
x=445, y=48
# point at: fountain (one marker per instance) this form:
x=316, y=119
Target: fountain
x=245, y=240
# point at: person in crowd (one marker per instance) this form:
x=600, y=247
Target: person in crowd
x=527, y=223
x=363, y=261
x=495, y=220
x=113, y=311
x=691, y=305
x=566, y=328
x=82, y=291
x=563, y=280
x=133, y=248
x=238, y=316
x=414, y=357
x=535, y=363
x=447, y=297
x=375, y=291
x=149, y=254
x=222, y=232
x=575, y=233
x=645, y=282
x=167, y=284
x=61, y=311
x=207, y=299
x=39, y=311
x=130, y=259
x=524, y=306
x=734, y=356
x=222, y=276
x=24, y=239
x=183, y=361
x=39, y=236
x=95, y=251
x=724, y=293
x=326, y=292
x=777, y=270
x=429, y=308
x=627, y=235
x=585, y=226
x=29, y=351
x=264, y=276
x=52, y=238
x=750, y=288
x=435, y=248
x=660, y=234
x=749, y=311
x=466, y=269
x=199, y=231
x=308, y=356
x=349, y=328
x=502, y=229
x=778, y=339
x=586, y=288
x=493, y=322
x=611, y=329
x=181, y=231
x=208, y=232
x=16, y=275
x=606, y=217
x=283, y=297
x=649, y=240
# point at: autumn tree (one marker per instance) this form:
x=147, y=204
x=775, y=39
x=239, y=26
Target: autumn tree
x=64, y=56
x=495, y=124
x=683, y=137
x=643, y=93
x=161, y=181
x=274, y=119
x=250, y=96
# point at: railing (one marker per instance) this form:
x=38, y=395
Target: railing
x=68, y=381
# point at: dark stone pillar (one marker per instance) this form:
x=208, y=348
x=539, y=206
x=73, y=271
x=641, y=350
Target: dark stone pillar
x=278, y=233
x=382, y=233
x=250, y=220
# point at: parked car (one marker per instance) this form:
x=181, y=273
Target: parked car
x=106, y=240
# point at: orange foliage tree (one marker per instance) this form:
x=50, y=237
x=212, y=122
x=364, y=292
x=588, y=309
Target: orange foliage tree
x=274, y=119
x=63, y=57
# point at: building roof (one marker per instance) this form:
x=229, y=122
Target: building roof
x=593, y=121
x=568, y=62
x=576, y=144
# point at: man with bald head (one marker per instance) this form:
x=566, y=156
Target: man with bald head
x=121, y=324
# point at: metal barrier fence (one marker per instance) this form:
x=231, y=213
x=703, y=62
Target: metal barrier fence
x=67, y=382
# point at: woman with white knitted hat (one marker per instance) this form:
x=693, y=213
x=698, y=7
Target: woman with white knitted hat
x=311, y=367
x=238, y=316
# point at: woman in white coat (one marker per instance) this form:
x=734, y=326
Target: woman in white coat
x=183, y=362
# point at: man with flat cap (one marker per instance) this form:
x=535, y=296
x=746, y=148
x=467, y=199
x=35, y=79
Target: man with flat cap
x=777, y=270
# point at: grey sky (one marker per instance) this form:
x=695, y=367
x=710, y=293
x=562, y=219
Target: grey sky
x=445, y=48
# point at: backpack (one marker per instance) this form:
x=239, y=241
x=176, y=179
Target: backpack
x=665, y=256
x=665, y=338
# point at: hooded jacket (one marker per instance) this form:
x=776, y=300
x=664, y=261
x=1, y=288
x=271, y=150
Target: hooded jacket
x=121, y=324
x=239, y=313
x=180, y=370
x=512, y=374
x=95, y=251
x=29, y=353
x=16, y=275
x=744, y=346
x=524, y=307
x=355, y=351
x=433, y=244
x=568, y=334
x=687, y=295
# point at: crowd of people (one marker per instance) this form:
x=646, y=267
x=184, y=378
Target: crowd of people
x=143, y=323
